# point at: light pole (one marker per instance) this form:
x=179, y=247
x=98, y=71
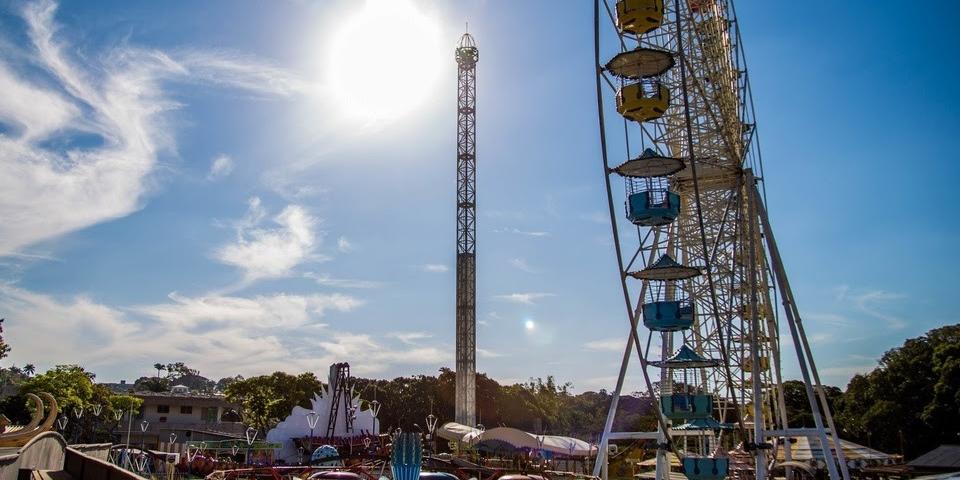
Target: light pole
x=143, y=433
x=375, y=410
x=251, y=436
x=312, y=419
x=78, y=413
x=431, y=426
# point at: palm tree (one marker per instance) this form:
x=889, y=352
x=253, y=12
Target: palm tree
x=159, y=366
x=29, y=369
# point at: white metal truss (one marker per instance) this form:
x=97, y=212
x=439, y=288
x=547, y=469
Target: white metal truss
x=722, y=228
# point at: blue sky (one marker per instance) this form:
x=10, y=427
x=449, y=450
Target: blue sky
x=182, y=182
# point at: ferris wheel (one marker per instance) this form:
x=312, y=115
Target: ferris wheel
x=698, y=262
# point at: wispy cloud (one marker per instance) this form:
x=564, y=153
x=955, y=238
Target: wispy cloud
x=372, y=356
x=48, y=189
x=870, y=303
x=326, y=280
x=410, y=338
x=270, y=252
x=435, y=268
x=344, y=245
x=484, y=353
x=521, y=264
x=262, y=312
x=223, y=334
x=525, y=233
x=524, y=298
x=221, y=166
x=607, y=344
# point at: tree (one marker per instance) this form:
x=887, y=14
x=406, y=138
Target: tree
x=151, y=384
x=798, y=406
x=265, y=400
x=914, y=394
x=159, y=367
x=4, y=348
x=29, y=369
x=71, y=385
x=224, y=382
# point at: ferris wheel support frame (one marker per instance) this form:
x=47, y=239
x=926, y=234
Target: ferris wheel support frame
x=745, y=246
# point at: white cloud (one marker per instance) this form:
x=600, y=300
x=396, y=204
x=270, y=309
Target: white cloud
x=49, y=188
x=484, y=353
x=366, y=355
x=271, y=252
x=219, y=334
x=521, y=264
x=254, y=313
x=326, y=280
x=410, y=338
x=220, y=167
x=525, y=233
x=344, y=245
x=607, y=344
x=435, y=268
x=523, y=298
x=867, y=303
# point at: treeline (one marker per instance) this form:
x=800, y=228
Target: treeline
x=909, y=404
x=542, y=406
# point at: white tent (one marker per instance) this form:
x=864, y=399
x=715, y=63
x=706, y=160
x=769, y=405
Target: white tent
x=456, y=432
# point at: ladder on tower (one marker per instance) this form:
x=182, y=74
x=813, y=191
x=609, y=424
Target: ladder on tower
x=339, y=389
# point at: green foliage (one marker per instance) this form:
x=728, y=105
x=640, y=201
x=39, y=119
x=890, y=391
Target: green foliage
x=4, y=348
x=265, y=400
x=537, y=405
x=151, y=384
x=15, y=408
x=224, y=382
x=71, y=385
x=798, y=406
x=914, y=394
x=75, y=391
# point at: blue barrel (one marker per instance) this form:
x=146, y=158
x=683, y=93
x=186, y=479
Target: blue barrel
x=407, y=456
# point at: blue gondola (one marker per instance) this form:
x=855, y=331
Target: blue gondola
x=684, y=406
x=653, y=208
x=704, y=468
x=668, y=316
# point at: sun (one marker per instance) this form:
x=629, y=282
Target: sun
x=385, y=59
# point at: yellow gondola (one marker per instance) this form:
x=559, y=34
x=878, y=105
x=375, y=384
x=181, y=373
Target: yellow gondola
x=634, y=105
x=639, y=16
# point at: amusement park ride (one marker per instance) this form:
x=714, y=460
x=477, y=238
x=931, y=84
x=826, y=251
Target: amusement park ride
x=698, y=265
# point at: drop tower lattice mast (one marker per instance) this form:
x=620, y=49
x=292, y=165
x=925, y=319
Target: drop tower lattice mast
x=466, y=56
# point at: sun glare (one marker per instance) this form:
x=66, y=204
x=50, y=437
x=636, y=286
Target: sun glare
x=385, y=59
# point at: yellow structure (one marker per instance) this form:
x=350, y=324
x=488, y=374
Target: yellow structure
x=639, y=16
x=634, y=105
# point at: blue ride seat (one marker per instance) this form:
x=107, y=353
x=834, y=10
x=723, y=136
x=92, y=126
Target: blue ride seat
x=704, y=468
x=653, y=208
x=686, y=406
x=668, y=316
